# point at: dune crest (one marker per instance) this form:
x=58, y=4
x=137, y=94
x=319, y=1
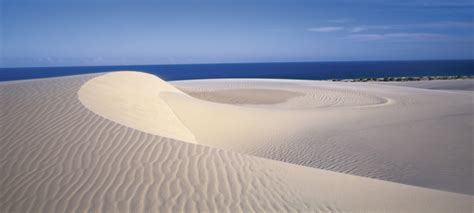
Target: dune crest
x=133, y=99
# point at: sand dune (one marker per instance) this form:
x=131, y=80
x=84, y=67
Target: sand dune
x=134, y=101
x=407, y=135
x=62, y=148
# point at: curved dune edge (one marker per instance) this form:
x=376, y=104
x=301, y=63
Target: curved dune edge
x=246, y=96
x=279, y=93
x=133, y=99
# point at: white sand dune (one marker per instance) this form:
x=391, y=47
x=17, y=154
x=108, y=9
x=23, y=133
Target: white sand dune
x=406, y=135
x=59, y=153
x=135, y=103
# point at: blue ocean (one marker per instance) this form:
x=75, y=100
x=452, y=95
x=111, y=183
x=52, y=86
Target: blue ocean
x=287, y=70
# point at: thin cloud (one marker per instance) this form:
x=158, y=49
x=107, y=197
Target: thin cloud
x=326, y=29
x=449, y=24
x=339, y=21
x=431, y=25
x=357, y=29
x=399, y=37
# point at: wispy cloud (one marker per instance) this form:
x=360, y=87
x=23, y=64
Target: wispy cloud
x=357, y=29
x=447, y=24
x=339, y=21
x=326, y=29
x=399, y=37
x=430, y=25
x=392, y=29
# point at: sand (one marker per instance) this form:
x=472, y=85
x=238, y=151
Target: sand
x=135, y=103
x=406, y=135
x=245, y=96
x=461, y=84
x=79, y=144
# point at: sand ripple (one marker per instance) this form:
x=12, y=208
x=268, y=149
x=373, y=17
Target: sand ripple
x=68, y=159
x=383, y=132
x=58, y=156
x=282, y=94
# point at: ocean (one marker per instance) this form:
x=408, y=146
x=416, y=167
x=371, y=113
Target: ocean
x=287, y=70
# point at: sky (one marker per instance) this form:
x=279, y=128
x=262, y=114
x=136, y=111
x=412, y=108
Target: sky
x=125, y=32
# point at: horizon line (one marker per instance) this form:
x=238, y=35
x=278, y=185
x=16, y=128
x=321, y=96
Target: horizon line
x=223, y=63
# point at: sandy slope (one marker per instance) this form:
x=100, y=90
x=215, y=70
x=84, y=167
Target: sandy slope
x=135, y=103
x=56, y=155
x=407, y=135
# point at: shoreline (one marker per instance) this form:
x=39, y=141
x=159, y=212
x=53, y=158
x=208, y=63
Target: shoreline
x=368, y=79
x=406, y=78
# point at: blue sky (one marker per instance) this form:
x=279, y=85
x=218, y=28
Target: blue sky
x=105, y=32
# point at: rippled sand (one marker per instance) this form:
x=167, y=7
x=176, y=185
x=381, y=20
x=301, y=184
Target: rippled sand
x=129, y=142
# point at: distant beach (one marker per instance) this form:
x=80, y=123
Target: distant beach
x=411, y=78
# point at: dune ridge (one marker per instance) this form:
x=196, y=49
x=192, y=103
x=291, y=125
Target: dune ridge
x=135, y=102
x=57, y=155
